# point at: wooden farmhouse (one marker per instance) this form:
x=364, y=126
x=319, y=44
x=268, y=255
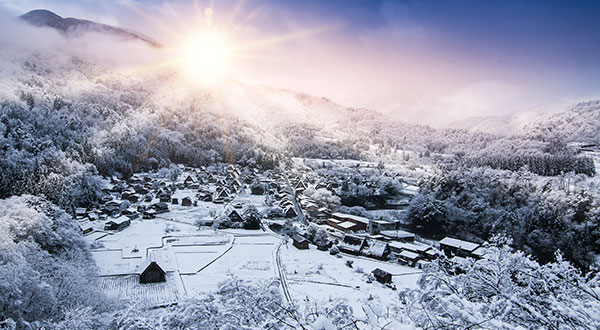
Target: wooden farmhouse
x=119, y=223
x=300, y=242
x=456, y=247
x=151, y=272
x=382, y=276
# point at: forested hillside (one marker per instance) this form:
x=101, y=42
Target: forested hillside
x=579, y=123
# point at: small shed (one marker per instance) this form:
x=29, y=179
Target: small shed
x=93, y=216
x=382, y=276
x=86, y=229
x=151, y=272
x=186, y=201
x=300, y=242
x=80, y=212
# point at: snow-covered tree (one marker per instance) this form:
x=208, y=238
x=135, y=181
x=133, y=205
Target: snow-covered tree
x=504, y=290
x=251, y=217
x=45, y=265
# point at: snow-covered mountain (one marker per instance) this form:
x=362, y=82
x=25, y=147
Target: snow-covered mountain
x=274, y=117
x=74, y=27
x=499, y=125
x=513, y=123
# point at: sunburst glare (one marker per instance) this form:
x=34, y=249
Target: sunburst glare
x=205, y=57
x=205, y=52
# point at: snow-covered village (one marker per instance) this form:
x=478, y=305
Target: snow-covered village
x=314, y=165
x=189, y=234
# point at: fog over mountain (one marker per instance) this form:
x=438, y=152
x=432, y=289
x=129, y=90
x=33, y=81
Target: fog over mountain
x=512, y=123
x=73, y=27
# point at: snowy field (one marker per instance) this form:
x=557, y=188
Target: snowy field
x=250, y=258
x=320, y=276
x=197, y=261
x=127, y=287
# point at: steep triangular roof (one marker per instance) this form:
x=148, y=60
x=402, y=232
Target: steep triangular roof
x=146, y=264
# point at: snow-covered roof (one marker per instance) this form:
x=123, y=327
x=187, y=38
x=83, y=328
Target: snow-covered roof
x=410, y=247
x=460, y=244
x=120, y=220
x=144, y=265
x=86, y=225
x=383, y=222
x=353, y=240
x=480, y=251
x=376, y=249
x=299, y=239
x=286, y=203
x=397, y=234
x=410, y=190
x=346, y=224
x=351, y=217
x=380, y=272
x=409, y=255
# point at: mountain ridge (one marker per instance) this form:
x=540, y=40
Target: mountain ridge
x=75, y=27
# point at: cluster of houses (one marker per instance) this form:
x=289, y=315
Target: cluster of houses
x=278, y=196
x=377, y=238
x=408, y=252
x=147, y=195
x=374, y=238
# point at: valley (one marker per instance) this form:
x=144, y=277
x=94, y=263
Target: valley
x=264, y=168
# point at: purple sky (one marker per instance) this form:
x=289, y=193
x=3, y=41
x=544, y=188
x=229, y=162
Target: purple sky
x=427, y=61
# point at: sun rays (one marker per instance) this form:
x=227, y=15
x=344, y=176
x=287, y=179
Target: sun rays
x=205, y=57
x=206, y=49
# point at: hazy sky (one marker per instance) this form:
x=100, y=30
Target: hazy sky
x=429, y=61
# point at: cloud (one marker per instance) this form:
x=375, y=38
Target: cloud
x=482, y=98
x=478, y=99
x=98, y=11
x=27, y=39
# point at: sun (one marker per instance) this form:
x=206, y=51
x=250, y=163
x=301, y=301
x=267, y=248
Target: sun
x=205, y=57
x=207, y=50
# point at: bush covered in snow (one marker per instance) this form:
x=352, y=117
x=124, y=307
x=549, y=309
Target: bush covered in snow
x=505, y=290
x=234, y=305
x=46, y=268
x=541, y=214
